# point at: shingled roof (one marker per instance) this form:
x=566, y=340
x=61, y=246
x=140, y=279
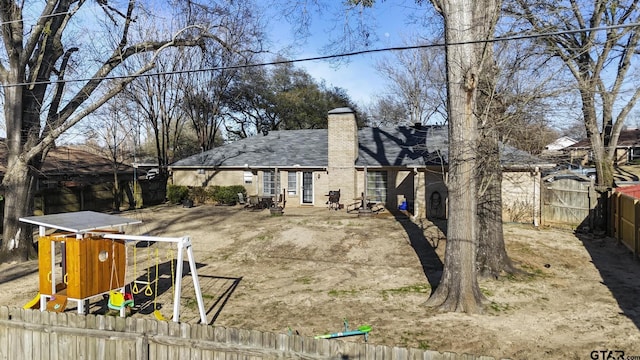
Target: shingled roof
x=397, y=147
x=628, y=138
x=306, y=148
x=70, y=160
x=402, y=146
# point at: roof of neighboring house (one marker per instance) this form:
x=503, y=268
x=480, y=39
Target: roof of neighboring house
x=399, y=146
x=628, y=138
x=561, y=143
x=68, y=160
x=516, y=158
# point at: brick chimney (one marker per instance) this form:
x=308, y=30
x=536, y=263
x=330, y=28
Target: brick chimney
x=343, y=152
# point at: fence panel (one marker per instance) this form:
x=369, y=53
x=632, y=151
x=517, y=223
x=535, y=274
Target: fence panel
x=29, y=334
x=567, y=202
x=625, y=225
x=627, y=219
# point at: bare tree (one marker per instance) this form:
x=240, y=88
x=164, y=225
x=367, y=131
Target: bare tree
x=174, y=102
x=158, y=103
x=40, y=103
x=598, y=60
x=386, y=110
x=492, y=258
x=513, y=98
x=416, y=82
x=111, y=135
x=467, y=24
x=204, y=105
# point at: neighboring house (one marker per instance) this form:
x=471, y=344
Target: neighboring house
x=560, y=143
x=627, y=150
x=146, y=167
x=403, y=163
x=73, y=179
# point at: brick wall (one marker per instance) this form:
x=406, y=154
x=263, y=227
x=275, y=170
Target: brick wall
x=343, y=152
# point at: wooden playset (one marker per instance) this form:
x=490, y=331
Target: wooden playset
x=92, y=249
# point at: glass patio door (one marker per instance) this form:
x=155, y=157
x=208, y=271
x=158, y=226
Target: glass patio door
x=307, y=187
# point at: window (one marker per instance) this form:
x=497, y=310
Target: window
x=268, y=183
x=292, y=183
x=248, y=177
x=377, y=186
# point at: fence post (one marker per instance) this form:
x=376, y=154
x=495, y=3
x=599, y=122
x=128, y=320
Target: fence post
x=541, y=203
x=616, y=216
x=636, y=228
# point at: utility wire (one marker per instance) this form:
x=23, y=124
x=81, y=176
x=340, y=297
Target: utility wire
x=336, y=56
x=41, y=17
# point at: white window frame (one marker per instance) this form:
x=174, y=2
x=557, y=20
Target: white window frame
x=248, y=177
x=292, y=183
x=268, y=182
x=377, y=185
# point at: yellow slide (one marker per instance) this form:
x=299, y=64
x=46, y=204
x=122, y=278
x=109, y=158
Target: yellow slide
x=33, y=304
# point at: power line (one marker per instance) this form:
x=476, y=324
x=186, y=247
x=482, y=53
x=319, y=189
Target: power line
x=41, y=17
x=336, y=56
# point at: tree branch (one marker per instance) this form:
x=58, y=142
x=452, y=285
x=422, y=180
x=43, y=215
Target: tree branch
x=116, y=59
x=52, y=135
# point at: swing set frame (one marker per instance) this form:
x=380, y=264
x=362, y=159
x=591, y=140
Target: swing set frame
x=182, y=244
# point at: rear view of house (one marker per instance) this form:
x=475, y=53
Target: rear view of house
x=391, y=166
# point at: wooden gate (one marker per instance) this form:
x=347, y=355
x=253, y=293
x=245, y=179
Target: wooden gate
x=568, y=201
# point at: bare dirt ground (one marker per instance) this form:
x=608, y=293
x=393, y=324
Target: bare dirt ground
x=311, y=268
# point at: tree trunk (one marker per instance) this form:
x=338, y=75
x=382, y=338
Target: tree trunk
x=602, y=161
x=492, y=259
x=17, y=236
x=18, y=182
x=458, y=289
x=117, y=196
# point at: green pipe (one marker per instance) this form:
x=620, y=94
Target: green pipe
x=362, y=330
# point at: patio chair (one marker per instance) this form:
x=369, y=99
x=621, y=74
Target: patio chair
x=253, y=203
x=241, y=200
x=334, y=200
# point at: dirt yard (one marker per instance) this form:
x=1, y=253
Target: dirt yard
x=309, y=269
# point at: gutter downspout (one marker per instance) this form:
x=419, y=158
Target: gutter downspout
x=537, y=203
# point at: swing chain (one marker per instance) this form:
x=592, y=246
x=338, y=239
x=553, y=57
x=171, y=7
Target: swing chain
x=173, y=273
x=134, y=288
x=155, y=298
x=148, y=291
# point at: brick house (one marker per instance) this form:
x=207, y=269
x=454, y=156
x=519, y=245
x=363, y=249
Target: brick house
x=400, y=164
x=627, y=150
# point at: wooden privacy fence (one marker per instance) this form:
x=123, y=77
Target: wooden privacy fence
x=567, y=201
x=625, y=220
x=31, y=334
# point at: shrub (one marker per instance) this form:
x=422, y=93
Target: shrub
x=211, y=192
x=227, y=195
x=198, y=194
x=177, y=193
